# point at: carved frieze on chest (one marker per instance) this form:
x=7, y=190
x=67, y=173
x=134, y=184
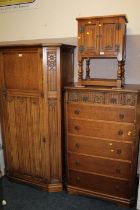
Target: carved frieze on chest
x=103, y=97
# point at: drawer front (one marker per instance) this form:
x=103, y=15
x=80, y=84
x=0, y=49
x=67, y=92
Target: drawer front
x=102, y=129
x=99, y=165
x=100, y=147
x=102, y=97
x=100, y=184
x=108, y=113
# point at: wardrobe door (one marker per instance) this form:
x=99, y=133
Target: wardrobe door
x=23, y=114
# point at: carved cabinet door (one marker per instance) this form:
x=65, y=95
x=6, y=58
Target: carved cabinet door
x=108, y=29
x=23, y=113
x=88, y=38
x=98, y=37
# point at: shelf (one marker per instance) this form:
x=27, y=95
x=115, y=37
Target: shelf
x=101, y=82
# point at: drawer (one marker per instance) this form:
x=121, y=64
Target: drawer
x=100, y=147
x=100, y=184
x=108, y=113
x=102, y=129
x=102, y=97
x=99, y=165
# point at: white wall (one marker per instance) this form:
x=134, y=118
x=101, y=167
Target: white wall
x=56, y=19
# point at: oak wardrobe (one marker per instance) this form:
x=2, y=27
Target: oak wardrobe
x=31, y=81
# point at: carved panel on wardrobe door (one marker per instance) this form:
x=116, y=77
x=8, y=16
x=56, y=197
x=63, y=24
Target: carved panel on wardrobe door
x=51, y=70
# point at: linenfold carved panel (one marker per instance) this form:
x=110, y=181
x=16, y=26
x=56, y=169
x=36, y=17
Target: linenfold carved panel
x=23, y=128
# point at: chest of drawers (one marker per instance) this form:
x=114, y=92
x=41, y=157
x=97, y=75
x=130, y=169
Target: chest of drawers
x=102, y=134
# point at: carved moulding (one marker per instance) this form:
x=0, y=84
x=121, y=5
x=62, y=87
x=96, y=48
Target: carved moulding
x=102, y=97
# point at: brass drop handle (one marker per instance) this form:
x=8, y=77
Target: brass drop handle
x=121, y=115
x=128, y=100
x=118, y=171
x=112, y=150
x=113, y=100
x=77, y=179
x=117, y=187
x=120, y=132
x=129, y=133
x=77, y=145
x=119, y=151
x=77, y=127
x=77, y=162
x=43, y=139
x=20, y=55
x=85, y=98
x=77, y=111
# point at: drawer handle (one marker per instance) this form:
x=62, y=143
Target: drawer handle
x=120, y=132
x=43, y=139
x=128, y=100
x=121, y=115
x=110, y=144
x=85, y=98
x=20, y=55
x=77, y=162
x=77, y=145
x=112, y=150
x=77, y=111
x=119, y=151
x=113, y=100
x=77, y=127
x=77, y=179
x=118, y=171
x=129, y=133
x=117, y=187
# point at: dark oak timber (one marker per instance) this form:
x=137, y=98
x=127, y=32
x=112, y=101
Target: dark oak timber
x=31, y=82
x=101, y=37
x=102, y=136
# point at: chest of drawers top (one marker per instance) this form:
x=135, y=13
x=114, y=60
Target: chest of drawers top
x=129, y=95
